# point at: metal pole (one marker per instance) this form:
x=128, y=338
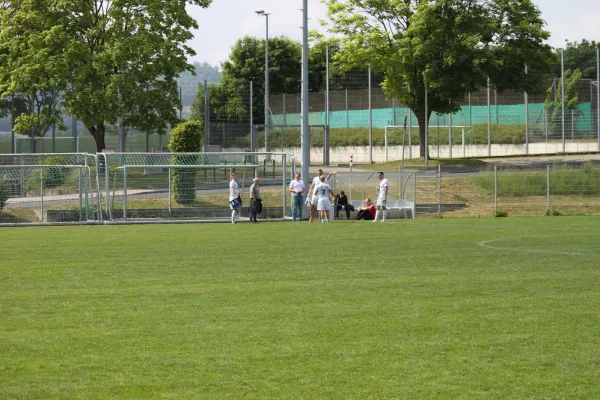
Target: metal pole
x=562, y=86
x=327, y=85
x=80, y=196
x=548, y=187
x=598, y=92
x=385, y=144
x=393, y=112
x=526, y=119
x=54, y=137
x=370, y=120
x=450, y=136
x=169, y=191
x=284, y=168
x=495, y=190
x=42, y=194
x=181, y=104
x=409, y=133
x=267, y=83
x=284, y=111
x=572, y=126
x=74, y=132
x=439, y=189
x=305, y=128
x=489, y=118
x=252, y=133
x=470, y=111
x=347, y=112
x=496, y=104
x=426, y=119
x=206, y=115
x=125, y=193
x=13, y=145
x=546, y=125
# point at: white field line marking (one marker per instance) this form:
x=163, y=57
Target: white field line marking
x=528, y=250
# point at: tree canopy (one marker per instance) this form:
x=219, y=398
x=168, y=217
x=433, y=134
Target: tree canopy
x=450, y=47
x=111, y=60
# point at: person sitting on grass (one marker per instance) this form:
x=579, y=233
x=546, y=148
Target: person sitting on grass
x=366, y=212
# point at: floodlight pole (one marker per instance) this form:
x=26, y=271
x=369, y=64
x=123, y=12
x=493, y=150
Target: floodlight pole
x=266, y=15
x=598, y=91
x=305, y=130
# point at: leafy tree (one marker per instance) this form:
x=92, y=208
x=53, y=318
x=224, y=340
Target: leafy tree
x=580, y=56
x=185, y=138
x=553, y=104
x=449, y=46
x=111, y=59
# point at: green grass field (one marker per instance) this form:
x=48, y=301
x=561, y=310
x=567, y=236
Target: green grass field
x=427, y=309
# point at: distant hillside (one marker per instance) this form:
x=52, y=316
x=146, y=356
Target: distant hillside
x=189, y=83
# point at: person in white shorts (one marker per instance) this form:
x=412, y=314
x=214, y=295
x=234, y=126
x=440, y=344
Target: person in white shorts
x=382, y=192
x=322, y=192
x=234, y=193
x=312, y=195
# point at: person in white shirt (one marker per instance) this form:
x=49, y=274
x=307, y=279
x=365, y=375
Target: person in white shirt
x=322, y=192
x=297, y=189
x=382, y=192
x=311, y=192
x=234, y=193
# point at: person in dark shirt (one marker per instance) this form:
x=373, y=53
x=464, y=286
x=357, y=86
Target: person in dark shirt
x=341, y=203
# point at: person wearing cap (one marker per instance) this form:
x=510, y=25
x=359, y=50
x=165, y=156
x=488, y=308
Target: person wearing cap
x=234, y=193
x=297, y=189
x=382, y=192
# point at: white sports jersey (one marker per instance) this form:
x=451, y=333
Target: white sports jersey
x=236, y=189
x=322, y=191
x=382, y=185
x=316, y=182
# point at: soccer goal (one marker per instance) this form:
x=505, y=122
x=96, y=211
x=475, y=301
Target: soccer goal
x=163, y=187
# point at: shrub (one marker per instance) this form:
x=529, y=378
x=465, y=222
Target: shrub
x=185, y=138
x=3, y=193
x=51, y=177
x=501, y=214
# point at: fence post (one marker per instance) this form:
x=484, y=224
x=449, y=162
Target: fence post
x=548, y=188
x=598, y=92
x=125, y=193
x=206, y=115
x=572, y=126
x=546, y=125
x=283, y=173
x=80, y=196
x=439, y=190
x=42, y=194
x=462, y=134
x=526, y=119
x=347, y=112
x=370, y=120
x=450, y=136
x=410, y=133
x=562, y=85
x=495, y=190
x=170, y=189
x=252, y=140
x=489, y=121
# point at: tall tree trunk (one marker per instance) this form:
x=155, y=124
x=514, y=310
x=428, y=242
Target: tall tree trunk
x=420, y=113
x=98, y=133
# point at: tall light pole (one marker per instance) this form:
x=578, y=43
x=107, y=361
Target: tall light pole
x=266, y=15
x=304, y=108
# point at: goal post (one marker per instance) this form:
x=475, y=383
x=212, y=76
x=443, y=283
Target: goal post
x=189, y=186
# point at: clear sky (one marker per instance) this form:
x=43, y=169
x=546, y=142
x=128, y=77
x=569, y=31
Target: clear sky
x=225, y=21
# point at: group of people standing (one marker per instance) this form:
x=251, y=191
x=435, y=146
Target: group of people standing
x=319, y=200
x=235, y=200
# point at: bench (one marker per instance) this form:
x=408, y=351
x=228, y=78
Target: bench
x=403, y=207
